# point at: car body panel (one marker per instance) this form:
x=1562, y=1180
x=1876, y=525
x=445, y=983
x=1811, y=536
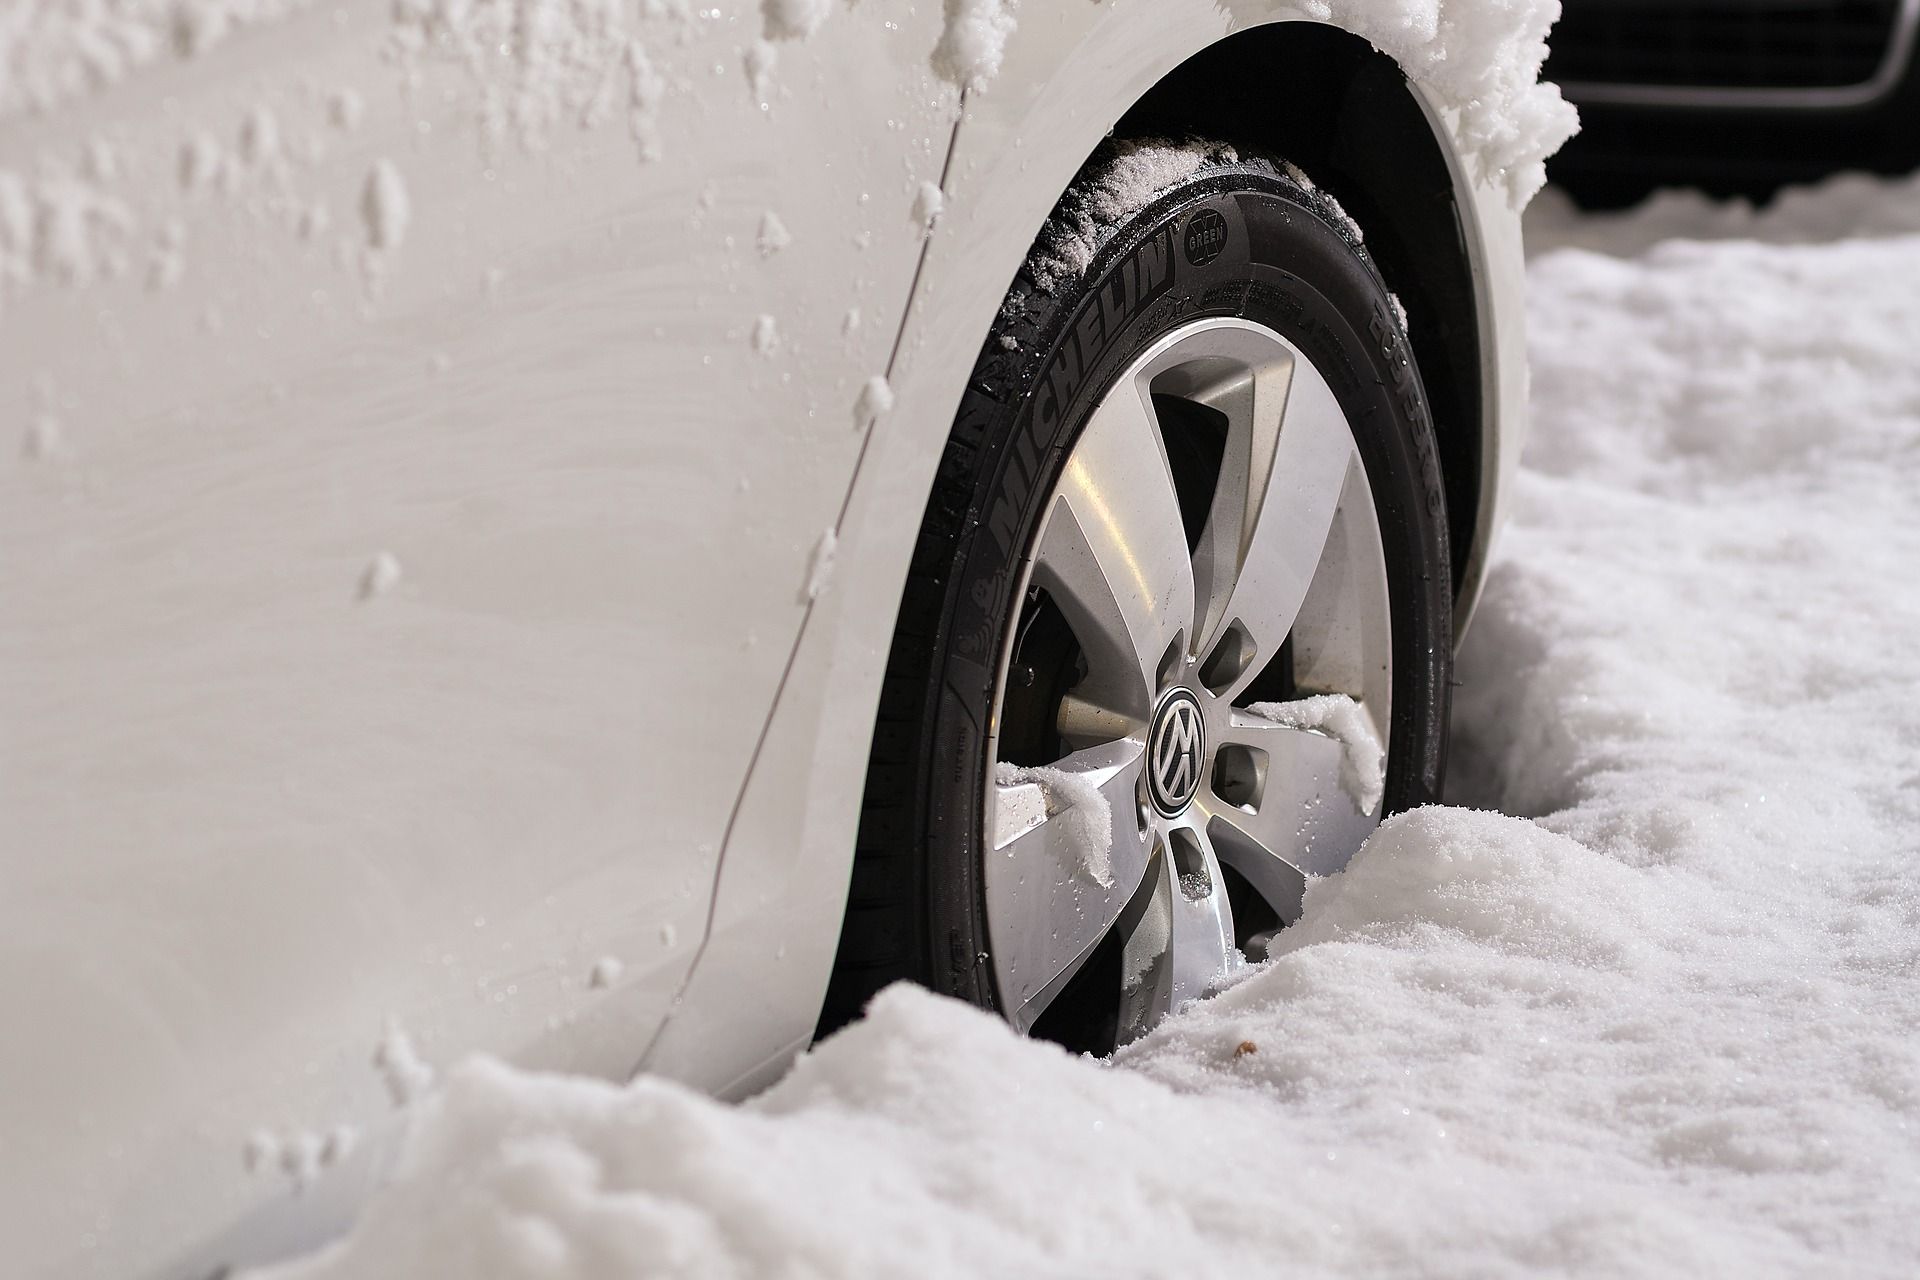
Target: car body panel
x=251, y=815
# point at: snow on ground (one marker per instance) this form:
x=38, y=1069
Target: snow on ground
x=1666, y=1020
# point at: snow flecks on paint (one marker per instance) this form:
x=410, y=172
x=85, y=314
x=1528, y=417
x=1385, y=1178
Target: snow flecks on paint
x=645, y=89
x=313, y=222
x=928, y=202
x=100, y=162
x=407, y=1077
x=381, y=576
x=260, y=138
x=300, y=1154
x=668, y=935
x=45, y=440
x=820, y=564
x=16, y=229
x=973, y=42
x=345, y=108
x=200, y=162
x=61, y=229
x=167, y=261
x=300, y=1158
x=260, y=1152
x=876, y=399
x=772, y=236
x=605, y=972
x=385, y=208
x=793, y=19
x=850, y=322
x=536, y=64
x=766, y=335
x=760, y=59
x=51, y=53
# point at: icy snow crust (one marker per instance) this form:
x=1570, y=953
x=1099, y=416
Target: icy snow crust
x=1669, y=1026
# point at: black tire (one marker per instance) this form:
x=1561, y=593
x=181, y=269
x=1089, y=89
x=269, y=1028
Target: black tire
x=1289, y=260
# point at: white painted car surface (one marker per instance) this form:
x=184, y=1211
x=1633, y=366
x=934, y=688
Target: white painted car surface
x=405, y=596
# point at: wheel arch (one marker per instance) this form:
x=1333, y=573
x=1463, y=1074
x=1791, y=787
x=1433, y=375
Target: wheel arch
x=1327, y=101
x=1069, y=78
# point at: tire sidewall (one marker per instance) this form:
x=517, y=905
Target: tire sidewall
x=1237, y=242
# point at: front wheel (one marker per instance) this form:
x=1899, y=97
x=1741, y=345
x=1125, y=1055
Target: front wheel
x=1178, y=629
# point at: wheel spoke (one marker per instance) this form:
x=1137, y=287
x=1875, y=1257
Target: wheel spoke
x=1114, y=553
x=1299, y=817
x=1183, y=944
x=1202, y=922
x=1046, y=904
x=1281, y=505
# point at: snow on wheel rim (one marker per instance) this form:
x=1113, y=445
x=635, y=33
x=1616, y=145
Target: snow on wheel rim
x=1134, y=602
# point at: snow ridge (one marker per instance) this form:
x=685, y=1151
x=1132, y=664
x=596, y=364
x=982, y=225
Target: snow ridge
x=1363, y=767
x=1080, y=809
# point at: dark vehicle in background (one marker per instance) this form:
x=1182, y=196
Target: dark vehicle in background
x=1737, y=97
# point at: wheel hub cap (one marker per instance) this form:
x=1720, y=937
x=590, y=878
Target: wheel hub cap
x=1210, y=546
x=1176, y=750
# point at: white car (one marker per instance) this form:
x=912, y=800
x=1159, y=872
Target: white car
x=602, y=534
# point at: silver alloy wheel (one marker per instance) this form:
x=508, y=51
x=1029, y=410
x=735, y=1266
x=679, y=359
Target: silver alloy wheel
x=1171, y=628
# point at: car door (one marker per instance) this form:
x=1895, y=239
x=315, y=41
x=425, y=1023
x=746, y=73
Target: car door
x=427, y=417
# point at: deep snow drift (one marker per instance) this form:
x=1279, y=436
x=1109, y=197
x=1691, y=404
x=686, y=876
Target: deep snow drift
x=1670, y=1025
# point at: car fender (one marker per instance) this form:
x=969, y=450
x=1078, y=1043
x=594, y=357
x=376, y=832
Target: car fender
x=1070, y=72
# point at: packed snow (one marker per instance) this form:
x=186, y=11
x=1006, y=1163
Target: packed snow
x=1085, y=817
x=875, y=400
x=773, y=235
x=1363, y=764
x=381, y=575
x=1661, y=1015
x=820, y=564
x=407, y=1075
x=973, y=41
x=928, y=202
x=385, y=207
x=766, y=335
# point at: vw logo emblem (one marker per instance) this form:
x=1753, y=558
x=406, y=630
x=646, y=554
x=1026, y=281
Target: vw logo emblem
x=1176, y=748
